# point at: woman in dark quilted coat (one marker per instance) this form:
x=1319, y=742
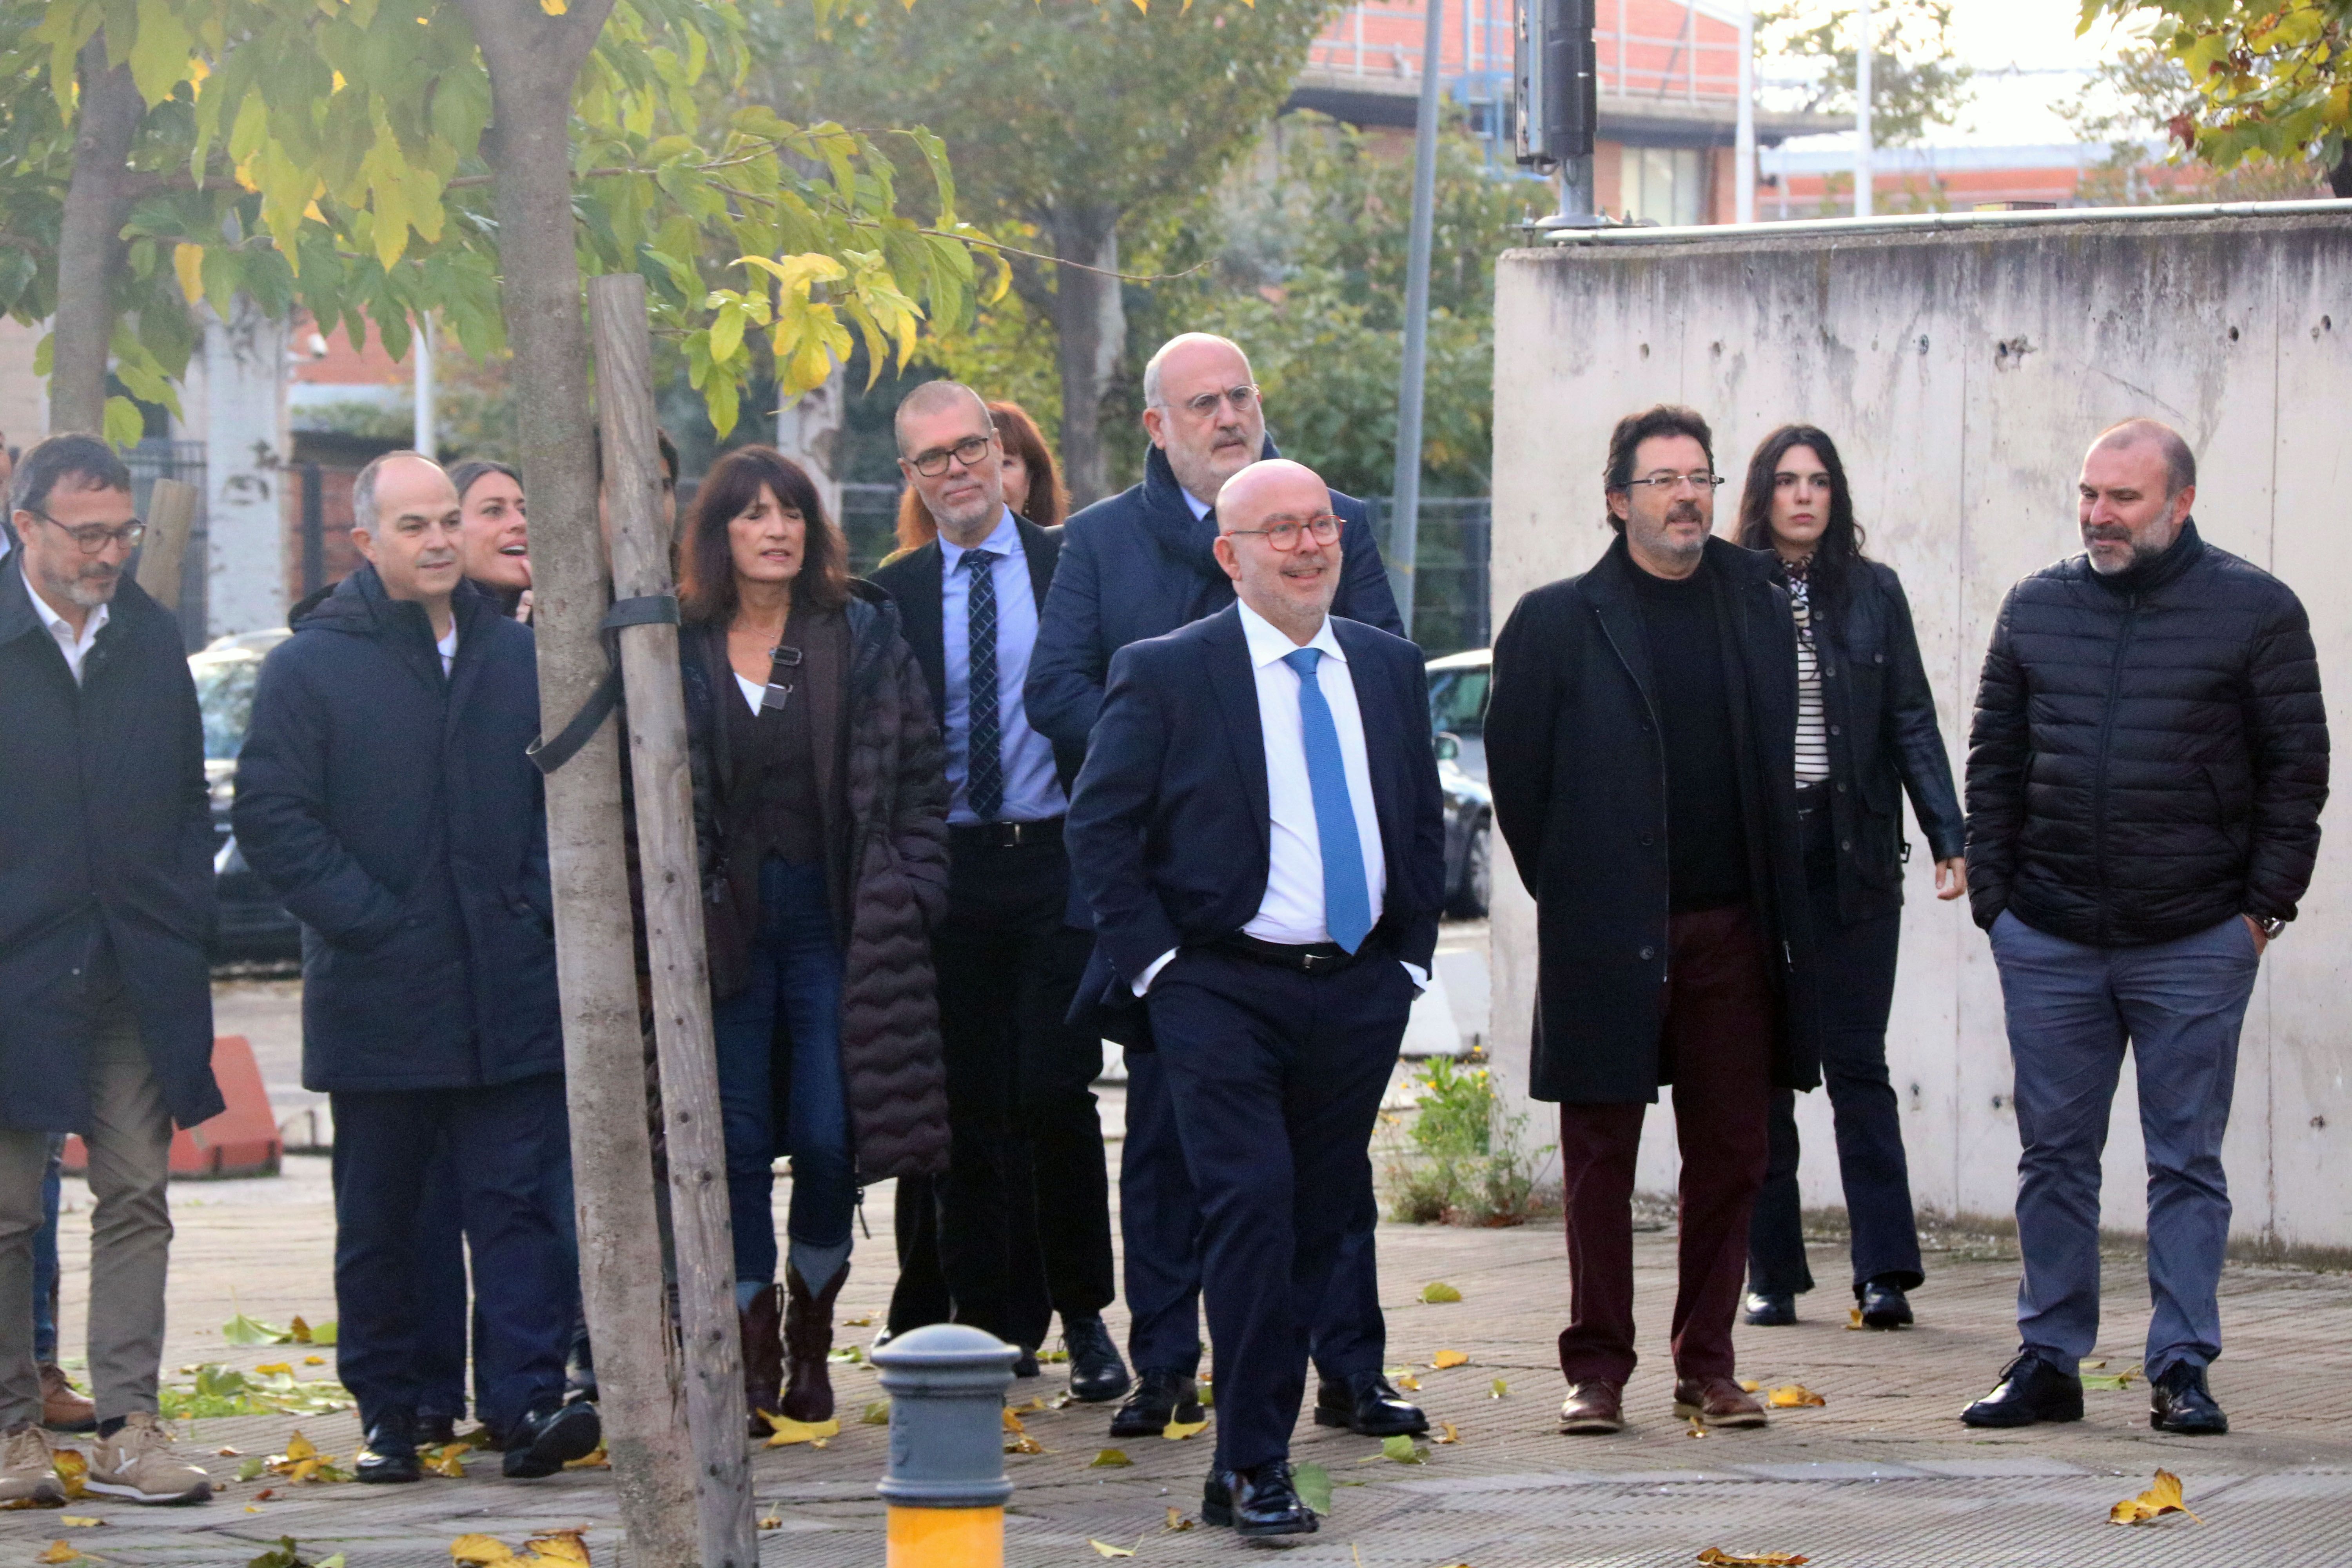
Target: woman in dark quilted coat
x=820, y=803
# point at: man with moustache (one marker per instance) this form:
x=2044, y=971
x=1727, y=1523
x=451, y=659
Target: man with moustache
x=1641, y=746
x=385, y=796
x=1259, y=835
x=106, y=906
x=2146, y=772
x=1019, y=1228
x=1140, y=564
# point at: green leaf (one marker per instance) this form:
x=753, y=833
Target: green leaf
x=1403, y=1450
x=1110, y=1459
x=124, y=424
x=243, y=1331
x=159, y=55
x=1314, y=1484
x=1438, y=1292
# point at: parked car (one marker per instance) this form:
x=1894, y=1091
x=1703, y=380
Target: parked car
x=252, y=925
x=1457, y=724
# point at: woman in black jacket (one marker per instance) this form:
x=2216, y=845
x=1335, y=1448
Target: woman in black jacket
x=1865, y=730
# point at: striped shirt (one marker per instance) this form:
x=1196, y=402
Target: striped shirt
x=1812, y=729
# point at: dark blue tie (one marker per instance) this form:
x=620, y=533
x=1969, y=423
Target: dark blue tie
x=983, y=778
x=1346, y=901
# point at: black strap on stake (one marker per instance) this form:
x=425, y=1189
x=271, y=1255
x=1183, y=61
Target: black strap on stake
x=645, y=610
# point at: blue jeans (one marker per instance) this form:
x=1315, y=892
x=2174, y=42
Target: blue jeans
x=787, y=1020
x=44, y=1258
x=2071, y=1010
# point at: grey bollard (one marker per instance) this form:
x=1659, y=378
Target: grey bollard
x=946, y=1383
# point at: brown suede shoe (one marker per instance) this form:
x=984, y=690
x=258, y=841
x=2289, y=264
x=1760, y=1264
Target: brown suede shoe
x=761, y=1324
x=1718, y=1402
x=1594, y=1407
x=808, y=1340
x=63, y=1406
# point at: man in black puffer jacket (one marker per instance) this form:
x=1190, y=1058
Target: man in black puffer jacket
x=2146, y=772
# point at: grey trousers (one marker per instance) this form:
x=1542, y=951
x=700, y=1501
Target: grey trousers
x=129, y=1145
x=2071, y=1010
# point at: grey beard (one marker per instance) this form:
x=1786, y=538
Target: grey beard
x=2140, y=556
x=84, y=590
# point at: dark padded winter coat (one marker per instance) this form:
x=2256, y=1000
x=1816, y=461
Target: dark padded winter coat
x=893, y=889
x=2149, y=753
x=105, y=826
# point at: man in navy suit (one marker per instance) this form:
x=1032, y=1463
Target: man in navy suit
x=1259, y=836
x=1134, y=567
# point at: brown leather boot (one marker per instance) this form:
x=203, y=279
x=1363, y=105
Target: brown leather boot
x=763, y=1357
x=808, y=1340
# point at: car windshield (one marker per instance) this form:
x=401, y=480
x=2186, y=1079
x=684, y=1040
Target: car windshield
x=224, y=693
x=1457, y=700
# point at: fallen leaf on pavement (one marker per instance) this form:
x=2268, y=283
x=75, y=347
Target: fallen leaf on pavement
x=276, y=1366
x=846, y=1353
x=78, y=1521
x=1062, y=1401
x=1177, y=1431
x=878, y=1414
x=1444, y=1359
x=2087, y=1364
x=1314, y=1484
x=1697, y=1428
x=472, y=1549
x=1024, y=1444
x=1438, y=1292
x=774, y=1520
x=252, y=1469
x=1853, y=1319
x=864, y=1323
x=445, y=1459
x=1408, y=1382
x=299, y=1331
x=1794, y=1396
x=1109, y=1459
x=1501, y=1388
x=1403, y=1450
x=1106, y=1549
x=1013, y=1422
x=1716, y=1557
x=314, y=1360
x=1749, y=1385
x=265, y=1494
x=1032, y=1407
x=62, y=1552
x=558, y=1546
x=2115, y=1380
x=226, y=1453
x=73, y=1472
x=2159, y=1500
x=243, y=1331
x=1446, y=1434
x=1178, y=1521
x=597, y=1459
x=784, y=1430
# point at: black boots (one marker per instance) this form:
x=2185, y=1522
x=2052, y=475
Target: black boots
x=1096, y=1372
x=761, y=1325
x=808, y=1340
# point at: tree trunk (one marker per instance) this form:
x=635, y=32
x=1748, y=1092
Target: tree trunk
x=533, y=59
x=1090, y=340
x=89, y=243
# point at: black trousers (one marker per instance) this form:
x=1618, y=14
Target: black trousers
x=1019, y=1228
x=1276, y=1077
x=1857, y=991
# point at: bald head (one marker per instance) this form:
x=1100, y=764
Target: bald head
x=2138, y=481
x=1201, y=408
x=1279, y=541
x=949, y=452
x=933, y=397
x=2180, y=462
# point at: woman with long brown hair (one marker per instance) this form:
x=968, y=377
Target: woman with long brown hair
x=1865, y=731
x=1032, y=485
x=820, y=803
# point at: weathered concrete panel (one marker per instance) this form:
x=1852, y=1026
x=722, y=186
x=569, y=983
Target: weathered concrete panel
x=1963, y=371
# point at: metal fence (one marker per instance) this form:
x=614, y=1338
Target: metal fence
x=1450, y=598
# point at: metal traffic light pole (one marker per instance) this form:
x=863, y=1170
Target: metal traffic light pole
x=1558, y=109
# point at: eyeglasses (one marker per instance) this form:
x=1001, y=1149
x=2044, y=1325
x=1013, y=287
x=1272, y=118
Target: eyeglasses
x=95, y=537
x=1700, y=480
x=1283, y=532
x=933, y=463
x=1243, y=398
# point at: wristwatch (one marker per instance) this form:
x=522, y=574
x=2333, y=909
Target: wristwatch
x=2270, y=926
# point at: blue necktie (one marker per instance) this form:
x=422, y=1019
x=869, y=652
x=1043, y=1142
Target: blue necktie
x=1347, y=903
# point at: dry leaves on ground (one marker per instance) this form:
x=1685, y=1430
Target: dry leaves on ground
x=301, y=1461
x=243, y=1331
x=78, y=1521
x=1446, y=1434
x=1177, y=1521
x=1314, y=1484
x=1794, y=1396
x=556, y=1549
x=73, y=1472
x=598, y=1459
x=1446, y=1359
x=1177, y=1431
x=783, y=1430
x=61, y=1550
x=772, y=1522
x=1437, y=1291
x=1403, y=1450
x=864, y=1323
x=1716, y=1557
x=445, y=1459
x=1501, y=1388
x=1105, y=1549
x=2115, y=1380
x=1110, y=1459
x=288, y=1553
x=878, y=1414
x=2159, y=1500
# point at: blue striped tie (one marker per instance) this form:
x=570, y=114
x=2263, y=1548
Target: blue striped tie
x=1346, y=901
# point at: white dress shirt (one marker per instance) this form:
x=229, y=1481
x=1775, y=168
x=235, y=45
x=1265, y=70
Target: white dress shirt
x=1291, y=912
x=75, y=648
x=447, y=648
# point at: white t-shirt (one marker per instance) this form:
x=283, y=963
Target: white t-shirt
x=448, y=646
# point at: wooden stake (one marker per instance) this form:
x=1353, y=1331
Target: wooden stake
x=170, y=513
x=670, y=872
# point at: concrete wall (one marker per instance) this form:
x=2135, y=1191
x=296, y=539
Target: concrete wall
x=1963, y=367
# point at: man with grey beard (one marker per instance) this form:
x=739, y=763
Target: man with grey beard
x=1642, y=750
x=2146, y=772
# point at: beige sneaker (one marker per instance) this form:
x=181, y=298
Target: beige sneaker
x=27, y=1474
x=137, y=1463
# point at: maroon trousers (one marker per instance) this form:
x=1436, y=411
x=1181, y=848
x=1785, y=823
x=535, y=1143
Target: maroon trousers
x=1715, y=1042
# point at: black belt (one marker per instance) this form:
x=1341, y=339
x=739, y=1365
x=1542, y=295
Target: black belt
x=1309, y=958
x=1004, y=834
x=1813, y=797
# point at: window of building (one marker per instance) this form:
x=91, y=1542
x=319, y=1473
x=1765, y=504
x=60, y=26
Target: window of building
x=1664, y=185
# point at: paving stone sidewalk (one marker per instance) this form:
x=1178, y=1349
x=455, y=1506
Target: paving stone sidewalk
x=1882, y=1476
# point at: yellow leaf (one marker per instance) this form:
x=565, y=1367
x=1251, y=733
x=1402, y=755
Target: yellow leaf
x=1177, y=1431
x=1854, y=1317
x=314, y=1360
x=555, y=7
x=299, y=1447
x=1437, y=1292
x=78, y=1521
x=598, y=1459
x=1013, y=1422
x=1716, y=1557
x=1408, y=1382
x=864, y=1323
x=1794, y=1396
x=479, y=1550
x=73, y=1470
x=1446, y=1434
x=62, y=1552
x=449, y=1459
x=188, y=261
x=558, y=1546
x=772, y=1522
x=1749, y=1385
x=1178, y=1521
x=789, y=1431
x=878, y=1414
x=276, y=1366
x=1110, y=1459
x=1102, y=1547
x=2159, y=1500
x=1501, y=1388
x=1444, y=1359
x=299, y=1330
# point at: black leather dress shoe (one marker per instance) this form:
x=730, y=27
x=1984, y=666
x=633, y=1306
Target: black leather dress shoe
x=1367, y=1405
x=546, y=1440
x=1158, y=1398
x=1885, y=1306
x=1097, y=1374
x=1770, y=1309
x=1026, y=1364
x=434, y=1429
x=2178, y=1402
x=2030, y=1390
x=390, y=1457
x=1260, y=1501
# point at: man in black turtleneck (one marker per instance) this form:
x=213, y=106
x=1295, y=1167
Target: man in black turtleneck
x=2145, y=771
x=1641, y=749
